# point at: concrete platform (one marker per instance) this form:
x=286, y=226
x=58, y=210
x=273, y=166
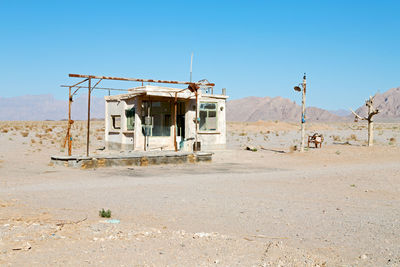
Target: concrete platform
x=131, y=159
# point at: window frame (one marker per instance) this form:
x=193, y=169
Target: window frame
x=131, y=110
x=209, y=110
x=113, y=122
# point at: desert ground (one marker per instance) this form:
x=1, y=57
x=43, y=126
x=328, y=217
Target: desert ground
x=334, y=206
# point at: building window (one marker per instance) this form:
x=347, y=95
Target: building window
x=208, y=116
x=116, y=121
x=130, y=119
x=160, y=118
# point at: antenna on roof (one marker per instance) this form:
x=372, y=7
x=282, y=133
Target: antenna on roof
x=191, y=63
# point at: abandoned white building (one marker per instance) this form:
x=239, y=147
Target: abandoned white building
x=163, y=118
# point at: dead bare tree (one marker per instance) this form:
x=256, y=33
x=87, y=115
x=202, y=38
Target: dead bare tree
x=371, y=112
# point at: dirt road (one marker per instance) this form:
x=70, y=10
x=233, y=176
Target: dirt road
x=336, y=206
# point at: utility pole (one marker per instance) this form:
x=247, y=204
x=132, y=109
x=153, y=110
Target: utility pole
x=191, y=63
x=303, y=111
x=303, y=115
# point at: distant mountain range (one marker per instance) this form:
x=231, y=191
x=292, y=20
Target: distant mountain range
x=387, y=103
x=278, y=108
x=46, y=107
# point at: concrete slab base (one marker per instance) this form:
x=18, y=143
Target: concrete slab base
x=131, y=159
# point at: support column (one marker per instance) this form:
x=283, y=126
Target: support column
x=69, y=123
x=88, y=120
x=303, y=115
x=175, y=113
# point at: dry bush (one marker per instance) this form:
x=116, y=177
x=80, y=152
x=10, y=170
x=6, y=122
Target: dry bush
x=336, y=138
x=392, y=141
x=100, y=137
x=293, y=148
x=48, y=130
x=242, y=134
x=24, y=134
x=33, y=141
x=4, y=131
x=352, y=137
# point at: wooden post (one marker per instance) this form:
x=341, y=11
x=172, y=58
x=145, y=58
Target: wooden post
x=175, y=107
x=88, y=122
x=303, y=115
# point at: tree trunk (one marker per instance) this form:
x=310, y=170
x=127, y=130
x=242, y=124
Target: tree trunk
x=370, y=133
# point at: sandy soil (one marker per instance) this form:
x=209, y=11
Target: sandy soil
x=335, y=206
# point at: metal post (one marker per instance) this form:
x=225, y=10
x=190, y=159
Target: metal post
x=197, y=118
x=191, y=63
x=303, y=116
x=69, y=123
x=175, y=113
x=88, y=122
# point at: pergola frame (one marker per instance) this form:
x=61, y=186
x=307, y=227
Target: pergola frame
x=192, y=86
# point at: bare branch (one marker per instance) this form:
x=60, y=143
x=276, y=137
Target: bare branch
x=358, y=116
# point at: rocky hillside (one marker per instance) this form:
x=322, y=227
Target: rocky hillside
x=388, y=104
x=277, y=108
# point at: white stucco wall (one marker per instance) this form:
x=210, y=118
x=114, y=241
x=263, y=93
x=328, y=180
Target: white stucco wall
x=122, y=139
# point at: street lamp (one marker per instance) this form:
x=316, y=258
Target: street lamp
x=303, y=110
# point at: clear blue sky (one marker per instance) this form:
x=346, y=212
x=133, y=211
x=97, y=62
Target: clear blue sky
x=349, y=49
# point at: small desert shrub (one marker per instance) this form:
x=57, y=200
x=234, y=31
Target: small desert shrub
x=293, y=148
x=99, y=137
x=336, y=138
x=352, y=137
x=242, y=134
x=105, y=213
x=4, y=131
x=33, y=141
x=392, y=141
x=49, y=130
x=24, y=134
x=337, y=152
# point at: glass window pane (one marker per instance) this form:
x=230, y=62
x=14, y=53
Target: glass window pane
x=130, y=118
x=203, y=116
x=211, y=124
x=211, y=106
x=161, y=114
